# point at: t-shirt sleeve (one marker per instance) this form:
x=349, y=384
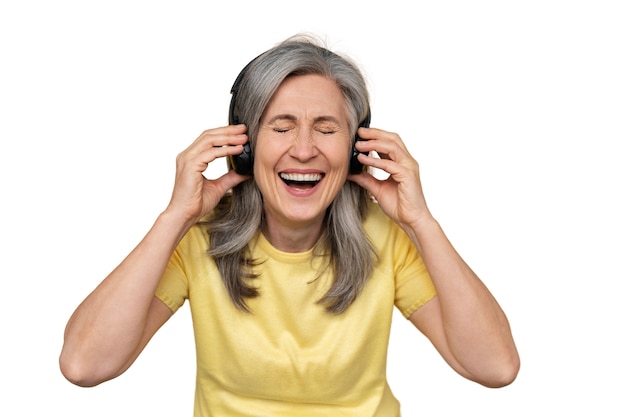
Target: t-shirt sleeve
x=173, y=289
x=414, y=288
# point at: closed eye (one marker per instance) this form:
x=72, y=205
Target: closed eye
x=326, y=126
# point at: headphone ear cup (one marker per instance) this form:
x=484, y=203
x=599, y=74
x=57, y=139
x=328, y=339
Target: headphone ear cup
x=242, y=163
x=356, y=166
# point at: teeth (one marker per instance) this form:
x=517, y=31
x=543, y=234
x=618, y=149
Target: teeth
x=301, y=177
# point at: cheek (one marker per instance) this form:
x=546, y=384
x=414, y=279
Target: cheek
x=264, y=153
x=262, y=165
x=338, y=155
x=265, y=160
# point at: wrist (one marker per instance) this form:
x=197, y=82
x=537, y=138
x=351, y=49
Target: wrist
x=175, y=222
x=422, y=229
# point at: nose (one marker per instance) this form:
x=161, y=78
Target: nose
x=304, y=147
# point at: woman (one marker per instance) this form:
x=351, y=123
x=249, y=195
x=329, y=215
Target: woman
x=293, y=260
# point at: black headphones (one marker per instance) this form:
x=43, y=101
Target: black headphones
x=242, y=163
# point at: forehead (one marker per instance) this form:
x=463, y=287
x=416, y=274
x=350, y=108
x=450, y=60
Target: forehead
x=312, y=94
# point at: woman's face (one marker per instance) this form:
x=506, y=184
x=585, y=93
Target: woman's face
x=302, y=151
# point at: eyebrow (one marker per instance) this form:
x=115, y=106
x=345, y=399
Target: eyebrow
x=293, y=118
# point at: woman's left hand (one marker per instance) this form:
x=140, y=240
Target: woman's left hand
x=400, y=195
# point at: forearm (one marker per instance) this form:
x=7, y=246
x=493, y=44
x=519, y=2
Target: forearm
x=104, y=332
x=476, y=329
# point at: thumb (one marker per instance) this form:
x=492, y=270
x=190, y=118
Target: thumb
x=365, y=180
x=230, y=180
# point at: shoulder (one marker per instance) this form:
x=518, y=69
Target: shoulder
x=386, y=236
x=377, y=224
x=375, y=215
x=195, y=240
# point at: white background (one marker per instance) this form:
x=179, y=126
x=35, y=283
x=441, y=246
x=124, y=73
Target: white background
x=515, y=111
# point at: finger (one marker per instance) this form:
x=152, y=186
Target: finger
x=221, y=136
x=226, y=130
x=204, y=153
x=388, y=145
x=365, y=180
x=387, y=165
x=371, y=133
x=389, y=150
x=200, y=160
x=216, y=152
x=230, y=180
x=215, y=189
x=218, y=140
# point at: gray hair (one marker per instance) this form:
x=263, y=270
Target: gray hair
x=238, y=218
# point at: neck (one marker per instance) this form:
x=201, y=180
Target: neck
x=292, y=239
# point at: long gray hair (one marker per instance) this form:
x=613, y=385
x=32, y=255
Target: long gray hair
x=239, y=216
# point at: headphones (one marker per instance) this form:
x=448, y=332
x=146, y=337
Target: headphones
x=242, y=163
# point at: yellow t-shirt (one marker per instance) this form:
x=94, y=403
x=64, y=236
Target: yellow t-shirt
x=290, y=357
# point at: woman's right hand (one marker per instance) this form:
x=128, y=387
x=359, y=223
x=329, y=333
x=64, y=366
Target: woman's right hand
x=194, y=195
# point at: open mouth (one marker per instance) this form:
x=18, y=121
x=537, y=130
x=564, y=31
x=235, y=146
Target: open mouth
x=301, y=181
